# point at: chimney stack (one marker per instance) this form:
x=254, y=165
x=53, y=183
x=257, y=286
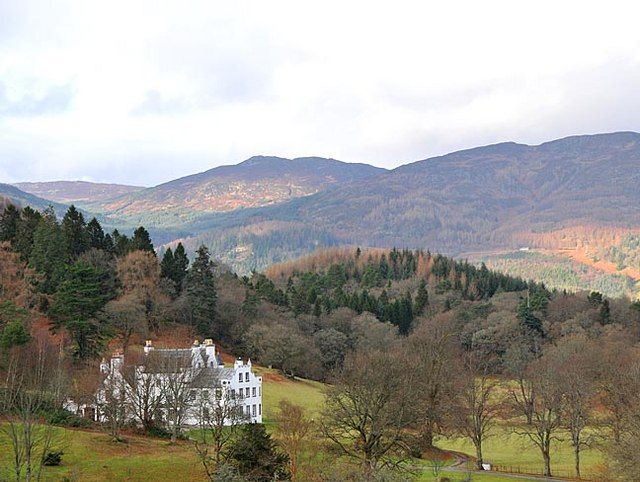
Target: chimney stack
x=148, y=347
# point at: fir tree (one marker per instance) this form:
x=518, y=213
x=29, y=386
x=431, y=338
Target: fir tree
x=74, y=230
x=422, y=298
x=201, y=293
x=48, y=253
x=167, y=265
x=9, y=219
x=96, y=234
x=180, y=266
x=80, y=296
x=141, y=240
x=255, y=455
x=26, y=228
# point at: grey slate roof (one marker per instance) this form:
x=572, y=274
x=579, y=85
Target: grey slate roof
x=211, y=377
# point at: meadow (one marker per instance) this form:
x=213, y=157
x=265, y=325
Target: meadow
x=92, y=456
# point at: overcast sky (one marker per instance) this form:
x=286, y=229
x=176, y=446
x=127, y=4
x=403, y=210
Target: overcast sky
x=144, y=92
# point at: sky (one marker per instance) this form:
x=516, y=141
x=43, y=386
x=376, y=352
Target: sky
x=141, y=92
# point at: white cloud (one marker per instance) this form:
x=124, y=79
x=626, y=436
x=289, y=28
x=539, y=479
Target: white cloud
x=143, y=92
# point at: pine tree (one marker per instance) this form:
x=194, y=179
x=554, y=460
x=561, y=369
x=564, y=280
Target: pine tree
x=96, y=234
x=167, y=265
x=201, y=293
x=255, y=455
x=79, y=297
x=74, y=230
x=180, y=266
x=9, y=219
x=29, y=220
x=121, y=243
x=422, y=298
x=48, y=253
x=141, y=240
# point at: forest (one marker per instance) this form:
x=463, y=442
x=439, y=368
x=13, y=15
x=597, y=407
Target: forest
x=485, y=349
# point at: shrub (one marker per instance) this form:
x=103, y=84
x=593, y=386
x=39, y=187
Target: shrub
x=52, y=458
x=64, y=418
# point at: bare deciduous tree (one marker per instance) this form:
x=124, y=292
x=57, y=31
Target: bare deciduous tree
x=220, y=415
x=293, y=427
x=477, y=403
x=175, y=388
x=546, y=411
x=369, y=407
x=33, y=383
x=433, y=349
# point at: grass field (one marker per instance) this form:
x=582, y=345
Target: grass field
x=510, y=450
x=91, y=456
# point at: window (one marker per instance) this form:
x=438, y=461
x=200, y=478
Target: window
x=253, y=392
x=246, y=377
x=240, y=393
x=218, y=393
x=192, y=394
x=233, y=393
x=247, y=409
x=205, y=393
x=259, y=391
x=205, y=413
x=240, y=377
x=253, y=410
x=259, y=409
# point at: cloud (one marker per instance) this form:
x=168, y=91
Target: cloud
x=54, y=100
x=143, y=92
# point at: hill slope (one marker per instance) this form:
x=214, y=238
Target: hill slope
x=13, y=195
x=258, y=181
x=76, y=191
x=498, y=196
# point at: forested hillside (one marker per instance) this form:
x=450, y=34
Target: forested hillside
x=355, y=317
x=258, y=181
x=491, y=197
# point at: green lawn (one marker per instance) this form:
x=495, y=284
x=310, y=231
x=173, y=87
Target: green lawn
x=91, y=456
x=306, y=393
x=511, y=450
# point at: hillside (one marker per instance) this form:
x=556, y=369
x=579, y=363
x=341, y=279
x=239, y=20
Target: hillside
x=78, y=192
x=258, y=181
x=13, y=195
x=499, y=196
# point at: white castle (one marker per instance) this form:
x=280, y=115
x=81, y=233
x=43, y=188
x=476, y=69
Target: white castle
x=205, y=382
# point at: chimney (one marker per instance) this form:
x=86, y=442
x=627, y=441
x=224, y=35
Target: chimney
x=195, y=352
x=238, y=363
x=148, y=347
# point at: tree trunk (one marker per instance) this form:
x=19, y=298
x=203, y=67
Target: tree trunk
x=547, y=463
x=479, y=457
x=577, y=455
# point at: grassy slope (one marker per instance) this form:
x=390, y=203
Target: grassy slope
x=90, y=456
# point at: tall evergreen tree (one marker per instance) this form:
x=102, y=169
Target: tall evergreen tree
x=256, y=456
x=121, y=243
x=181, y=264
x=74, y=230
x=79, y=297
x=9, y=219
x=95, y=234
x=142, y=241
x=167, y=265
x=422, y=298
x=29, y=220
x=201, y=293
x=49, y=253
